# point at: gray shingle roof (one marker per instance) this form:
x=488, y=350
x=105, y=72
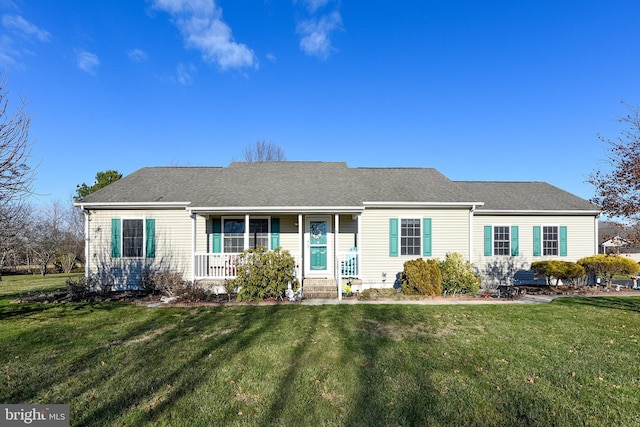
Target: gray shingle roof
x=525, y=196
x=322, y=184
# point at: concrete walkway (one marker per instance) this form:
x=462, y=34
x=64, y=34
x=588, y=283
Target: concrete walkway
x=525, y=299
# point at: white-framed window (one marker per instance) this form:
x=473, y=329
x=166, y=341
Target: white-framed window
x=410, y=236
x=501, y=240
x=259, y=232
x=132, y=237
x=550, y=240
x=233, y=232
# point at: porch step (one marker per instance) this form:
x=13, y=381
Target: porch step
x=319, y=289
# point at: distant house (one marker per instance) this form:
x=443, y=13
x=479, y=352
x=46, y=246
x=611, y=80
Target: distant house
x=613, y=238
x=339, y=223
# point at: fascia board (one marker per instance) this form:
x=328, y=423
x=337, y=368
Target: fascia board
x=131, y=205
x=422, y=204
x=536, y=212
x=282, y=209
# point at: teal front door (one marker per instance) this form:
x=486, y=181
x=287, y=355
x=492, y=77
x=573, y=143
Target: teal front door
x=318, y=245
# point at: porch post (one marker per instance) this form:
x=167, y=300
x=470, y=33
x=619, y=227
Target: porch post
x=359, y=249
x=300, y=249
x=471, y=212
x=337, y=273
x=193, y=246
x=246, y=231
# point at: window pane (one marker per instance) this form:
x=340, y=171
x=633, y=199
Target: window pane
x=132, y=238
x=410, y=236
x=501, y=240
x=550, y=240
x=259, y=233
x=233, y=235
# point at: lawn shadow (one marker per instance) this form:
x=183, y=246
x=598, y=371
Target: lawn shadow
x=392, y=388
x=285, y=390
x=631, y=303
x=188, y=373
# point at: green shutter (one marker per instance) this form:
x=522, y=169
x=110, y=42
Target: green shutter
x=115, y=237
x=515, y=250
x=563, y=240
x=216, y=235
x=151, y=238
x=536, y=240
x=275, y=233
x=426, y=236
x=488, y=240
x=393, y=236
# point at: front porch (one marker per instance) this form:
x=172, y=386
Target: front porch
x=220, y=267
x=325, y=247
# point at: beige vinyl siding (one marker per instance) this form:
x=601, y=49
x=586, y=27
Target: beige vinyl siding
x=348, y=233
x=580, y=237
x=173, y=233
x=289, y=238
x=450, y=233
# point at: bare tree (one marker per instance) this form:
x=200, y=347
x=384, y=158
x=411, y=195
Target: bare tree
x=263, y=151
x=16, y=177
x=617, y=190
x=71, y=250
x=46, y=235
x=14, y=220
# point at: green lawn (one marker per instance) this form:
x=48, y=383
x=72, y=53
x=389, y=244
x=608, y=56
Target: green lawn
x=573, y=362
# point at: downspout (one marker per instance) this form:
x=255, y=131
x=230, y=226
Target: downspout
x=595, y=237
x=337, y=273
x=87, y=242
x=471, y=213
x=193, y=247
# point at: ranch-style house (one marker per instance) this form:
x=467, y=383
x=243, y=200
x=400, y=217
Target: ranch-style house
x=341, y=224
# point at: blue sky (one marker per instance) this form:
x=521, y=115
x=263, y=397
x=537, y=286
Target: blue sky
x=480, y=90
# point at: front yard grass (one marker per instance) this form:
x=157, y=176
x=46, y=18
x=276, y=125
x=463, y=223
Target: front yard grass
x=575, y=361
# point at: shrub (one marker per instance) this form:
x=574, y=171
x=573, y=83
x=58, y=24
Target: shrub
x=564, y=271
x=607, y=266
x=458, y=275
x=265, y=274
x=166, y=283
x=79, y=288
x=375, y=293
x=189, y=291
x=421, y=277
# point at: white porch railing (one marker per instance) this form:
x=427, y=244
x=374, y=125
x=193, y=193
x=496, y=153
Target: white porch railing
x=349, y=264
x=223, y=266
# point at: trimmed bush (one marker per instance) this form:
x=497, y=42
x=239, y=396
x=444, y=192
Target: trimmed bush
x=565, y=271
x=607, y=266
x=458, y=275
x=263, y=274
x=421, y=277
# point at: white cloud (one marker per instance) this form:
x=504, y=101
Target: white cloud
x=184, y=74
x=272, y=58
x=314, y=5
x=8, y=53
x=316, y=34
x=201, y=25
x=18, y=24
x=137, y=55
x=87, y=61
